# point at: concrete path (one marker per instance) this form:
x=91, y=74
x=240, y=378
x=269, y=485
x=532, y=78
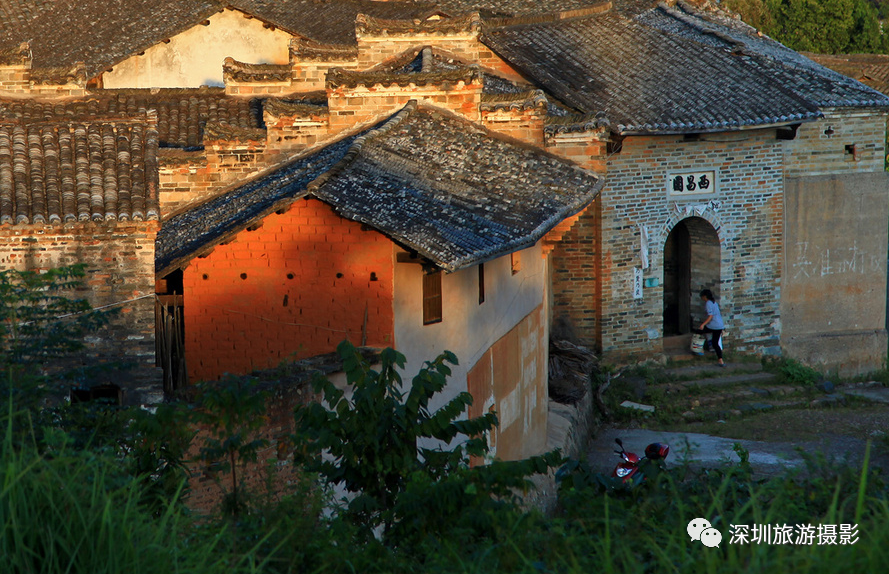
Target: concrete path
x=766, y=458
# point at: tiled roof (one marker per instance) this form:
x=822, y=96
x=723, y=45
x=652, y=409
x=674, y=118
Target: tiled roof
x=100, y=33
x=247, y=72
x=434, y=183
x=369, y=25
x=783, y=66
x=330, y=21
x=646, y=79
x=500, y=8
x=181, y=113
x=509, y=101
x=869, y=69
x=339, y=77
x=304, y=50
x=15, y=54
x=78, y=168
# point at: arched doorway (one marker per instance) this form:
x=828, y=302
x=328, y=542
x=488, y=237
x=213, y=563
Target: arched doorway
x=691, y=263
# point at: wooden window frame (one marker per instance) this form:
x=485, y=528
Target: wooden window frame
x=432, y=297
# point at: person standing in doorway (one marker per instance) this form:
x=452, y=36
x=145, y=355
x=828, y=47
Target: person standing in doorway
x=713, y=323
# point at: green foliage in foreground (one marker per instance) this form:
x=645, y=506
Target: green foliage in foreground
x=373, y=443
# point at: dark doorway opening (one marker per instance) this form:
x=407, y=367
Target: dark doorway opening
x=691, y=263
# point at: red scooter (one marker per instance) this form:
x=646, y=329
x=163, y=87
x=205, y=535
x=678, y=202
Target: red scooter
x=632, y=463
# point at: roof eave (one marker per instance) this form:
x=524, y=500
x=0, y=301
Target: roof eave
x=718, y=129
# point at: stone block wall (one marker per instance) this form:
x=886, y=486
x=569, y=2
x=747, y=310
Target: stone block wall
x=295, y=287
x=119, y=261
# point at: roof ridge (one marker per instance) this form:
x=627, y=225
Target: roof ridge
x=365, y=23
x=359, y=142
x=549, y=17
x=337, y=77
x=684, y=16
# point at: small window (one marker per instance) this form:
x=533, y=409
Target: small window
x=432, y=297
x=515, y=260
x=481, y=283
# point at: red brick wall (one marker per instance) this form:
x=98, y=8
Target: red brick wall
x=294, y=288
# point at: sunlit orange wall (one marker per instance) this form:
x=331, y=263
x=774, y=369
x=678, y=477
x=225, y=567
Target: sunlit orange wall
x=294, y=288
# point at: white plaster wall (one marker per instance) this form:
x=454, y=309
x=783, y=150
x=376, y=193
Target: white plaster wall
x=467, y=329
x=194, y=57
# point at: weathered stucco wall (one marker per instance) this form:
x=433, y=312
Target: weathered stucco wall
x=194, y=57
x=511, y=378
x=837, y=208
x=119, y=266
x=510, y=314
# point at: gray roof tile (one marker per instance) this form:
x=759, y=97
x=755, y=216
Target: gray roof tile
x=182, y=113
x=645, y=79
x=78, y=168
x=434, y=183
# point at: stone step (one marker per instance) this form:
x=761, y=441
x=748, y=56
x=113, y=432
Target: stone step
x=708, y=365
x=755, y=380
x=746, y=408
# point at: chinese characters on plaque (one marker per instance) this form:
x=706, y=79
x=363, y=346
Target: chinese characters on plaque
x=692, y=183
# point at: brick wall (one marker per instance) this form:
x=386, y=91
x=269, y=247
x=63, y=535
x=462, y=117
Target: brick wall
x=298, y=131
x=309, y=76
x=119, y=261
x=351, y=106
x=820, y=147
x=185, y=178
x=747, y=217
x=586, y=149
x=521, y=124
x=297, y=286
x=15, y=79
x=378, y=48
x=259, y=88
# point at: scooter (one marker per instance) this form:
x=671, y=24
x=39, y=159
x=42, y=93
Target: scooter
x=632, y=463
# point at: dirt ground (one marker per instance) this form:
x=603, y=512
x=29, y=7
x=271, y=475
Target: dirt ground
x=861, y=422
